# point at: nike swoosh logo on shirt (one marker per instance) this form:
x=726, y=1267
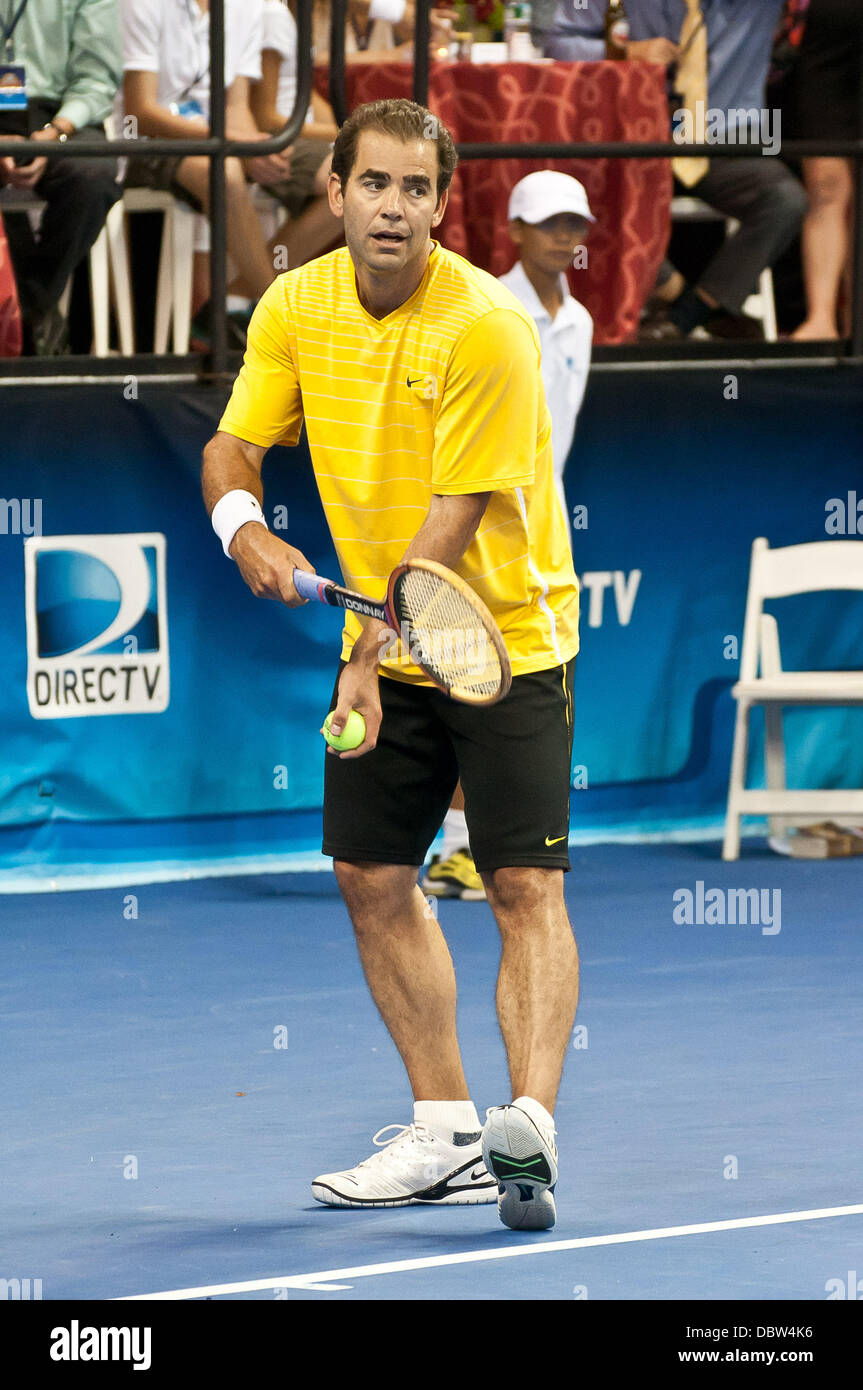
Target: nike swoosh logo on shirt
x=554, y=842
x=416, y=381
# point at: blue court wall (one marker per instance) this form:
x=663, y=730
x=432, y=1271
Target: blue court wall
x=141, y=683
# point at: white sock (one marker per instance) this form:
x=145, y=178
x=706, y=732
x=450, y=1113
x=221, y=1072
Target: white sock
x=448, y=1118
x=454, y=833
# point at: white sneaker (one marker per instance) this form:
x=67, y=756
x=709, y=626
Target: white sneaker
x=413, y=1166
x=519, y=1150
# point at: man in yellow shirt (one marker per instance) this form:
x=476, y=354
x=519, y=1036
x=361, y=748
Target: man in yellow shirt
x=418, y=378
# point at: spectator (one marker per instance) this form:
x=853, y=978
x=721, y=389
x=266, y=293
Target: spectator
x=312, y=227
x=549, y=218
x=728, y=73
x=71, y=58
x=166, y=89
x=378, y=27
x=823, y=102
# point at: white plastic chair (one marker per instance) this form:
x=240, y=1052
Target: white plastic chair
x=791, y=569
x=176, y=260
x=760, y=305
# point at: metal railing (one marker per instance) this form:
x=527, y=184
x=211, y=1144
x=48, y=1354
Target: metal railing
x=219, y=148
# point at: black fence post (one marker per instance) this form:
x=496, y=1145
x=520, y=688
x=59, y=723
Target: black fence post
x=422, y=41
x=338, y=99
x=218, y=198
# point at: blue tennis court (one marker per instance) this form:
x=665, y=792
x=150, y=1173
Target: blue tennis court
x=183, y=1059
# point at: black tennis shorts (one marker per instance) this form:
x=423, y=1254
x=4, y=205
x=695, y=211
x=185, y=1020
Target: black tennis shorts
x=513, y=759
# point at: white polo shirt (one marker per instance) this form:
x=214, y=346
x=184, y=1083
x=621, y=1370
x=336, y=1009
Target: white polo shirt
x=171, y=38
x=565, y=342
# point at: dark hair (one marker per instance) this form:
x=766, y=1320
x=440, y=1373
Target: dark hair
x=406, y=121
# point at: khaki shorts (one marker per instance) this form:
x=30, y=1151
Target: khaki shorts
x=159, y=171
x=298, y=189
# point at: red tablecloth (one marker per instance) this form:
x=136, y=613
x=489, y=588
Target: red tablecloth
x=505, y=102
x=10, y=314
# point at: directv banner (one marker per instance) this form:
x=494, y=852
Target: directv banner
x=140, y=680
x=97, y=626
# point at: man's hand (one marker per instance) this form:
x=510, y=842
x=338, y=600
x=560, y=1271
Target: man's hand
x=652, y=51
x=358, y=688
x=262, y=168
x=7, y=163
x=26, y=175
x=267, y=169
x=267, y=564
x=442, y=26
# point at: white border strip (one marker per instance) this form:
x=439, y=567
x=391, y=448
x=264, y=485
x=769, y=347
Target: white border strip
x=507, y=1252
x=152, y=378
x=680, y=364
x=64, y=878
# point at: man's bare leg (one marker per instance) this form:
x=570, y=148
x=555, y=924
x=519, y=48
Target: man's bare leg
x=409, y=971
x=307, y=236
x=537, y=987
x=246, y=243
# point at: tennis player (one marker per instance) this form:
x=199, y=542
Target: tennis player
x=418, y=378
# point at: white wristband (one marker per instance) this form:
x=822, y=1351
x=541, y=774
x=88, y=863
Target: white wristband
x=393, y=11
x=233, y=511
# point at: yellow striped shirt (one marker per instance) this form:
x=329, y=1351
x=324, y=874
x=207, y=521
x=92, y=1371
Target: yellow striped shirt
x=444, y=395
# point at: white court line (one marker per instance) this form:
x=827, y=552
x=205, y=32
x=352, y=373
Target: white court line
x=506, y=1252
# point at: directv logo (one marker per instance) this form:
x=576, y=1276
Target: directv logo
x=97, y=630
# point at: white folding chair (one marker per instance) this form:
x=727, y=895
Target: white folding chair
x=761, y=304
x=791, y=569
x=176, y=260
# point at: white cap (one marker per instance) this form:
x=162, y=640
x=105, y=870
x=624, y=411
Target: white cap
x=545, y=194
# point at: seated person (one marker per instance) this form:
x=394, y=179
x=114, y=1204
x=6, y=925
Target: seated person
x=378, y=30
x=71, y=60
x=312, y=227
x=722, y=55
x=166, y=91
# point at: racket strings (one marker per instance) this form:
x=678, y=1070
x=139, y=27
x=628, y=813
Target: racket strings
x=451, y=634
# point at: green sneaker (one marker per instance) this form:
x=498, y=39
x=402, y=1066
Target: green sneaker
x=455, y=877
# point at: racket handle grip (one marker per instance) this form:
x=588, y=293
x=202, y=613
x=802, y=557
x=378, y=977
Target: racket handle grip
x=310, y=586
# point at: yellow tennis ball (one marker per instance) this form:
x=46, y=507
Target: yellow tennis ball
x=352, y=735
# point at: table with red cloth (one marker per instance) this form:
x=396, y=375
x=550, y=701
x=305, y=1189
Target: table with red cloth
x=550, y=102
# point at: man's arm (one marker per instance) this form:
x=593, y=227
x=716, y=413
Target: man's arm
x=240, y=125
x=446, y=533
x=140, y=99
x=266, y=563
x=94, y=67
x=266, y=404
x=577, y=34
x=450, y=526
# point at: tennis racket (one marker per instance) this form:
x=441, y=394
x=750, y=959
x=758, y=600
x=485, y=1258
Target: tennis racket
x=446, y=629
